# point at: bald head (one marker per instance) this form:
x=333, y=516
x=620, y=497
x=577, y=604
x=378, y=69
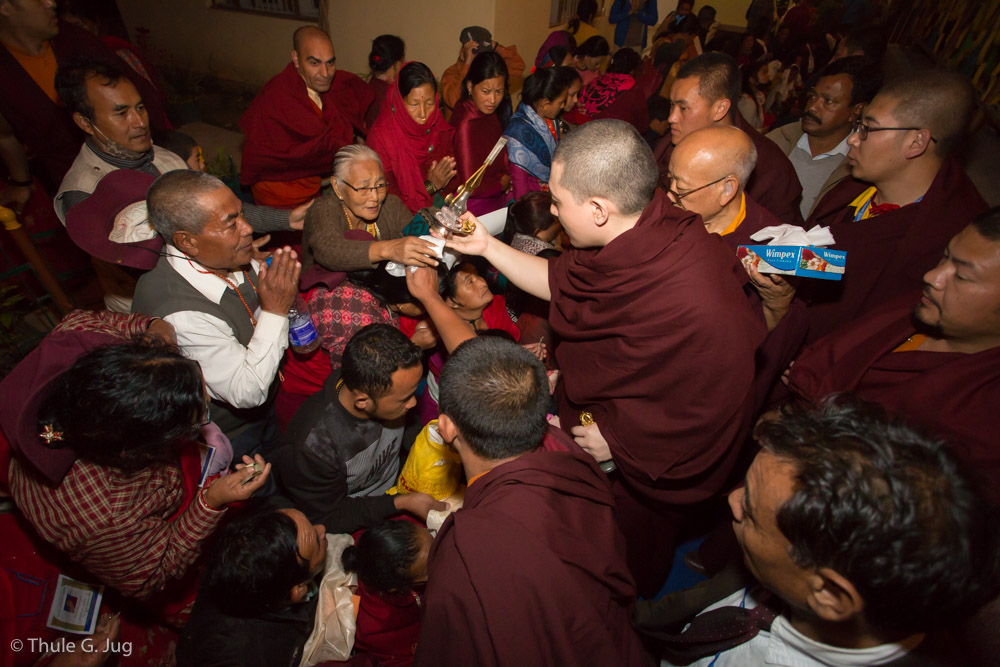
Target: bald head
x=307, y=33
x=709, y=169
x=314, y=58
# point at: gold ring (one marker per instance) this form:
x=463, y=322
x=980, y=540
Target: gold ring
x=586, y=419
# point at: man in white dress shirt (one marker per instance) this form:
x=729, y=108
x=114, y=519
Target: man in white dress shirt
x=817, y=145
x=871, y=542
x=230, y=311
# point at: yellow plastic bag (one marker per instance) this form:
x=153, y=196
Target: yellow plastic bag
x=432, y=467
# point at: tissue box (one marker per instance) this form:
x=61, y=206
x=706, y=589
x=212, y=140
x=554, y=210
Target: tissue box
x=805, y=261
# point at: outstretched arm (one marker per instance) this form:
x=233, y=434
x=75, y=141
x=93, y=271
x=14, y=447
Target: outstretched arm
x=527, y=272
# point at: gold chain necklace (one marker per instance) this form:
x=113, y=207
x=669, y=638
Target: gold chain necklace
x=370, y=227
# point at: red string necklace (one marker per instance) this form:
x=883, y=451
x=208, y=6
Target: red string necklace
x=253, y=320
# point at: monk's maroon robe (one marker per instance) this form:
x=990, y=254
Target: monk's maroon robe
x=657, y=342
x=531, y=571
x=288, y=139
x=888, y=255
x=953, y=396
x=773, y=183
x=784, y=342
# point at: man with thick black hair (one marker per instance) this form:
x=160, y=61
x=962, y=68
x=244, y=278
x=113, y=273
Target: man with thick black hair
x=257, y=598
x=345, y=443
x=531, y=571
x=868, y=538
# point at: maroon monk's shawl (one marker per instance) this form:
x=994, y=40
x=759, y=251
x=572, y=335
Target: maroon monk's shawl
x=657, y=342
x=531, y=571
x=408, y=148
x=954, y=396
x=287, y=138
x=888, y=255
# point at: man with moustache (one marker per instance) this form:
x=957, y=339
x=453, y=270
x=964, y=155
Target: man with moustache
x=817, y=146
x=936, y=363
x=33, y=44
x=298, y=122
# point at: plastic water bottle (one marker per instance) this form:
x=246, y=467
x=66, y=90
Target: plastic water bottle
x=302, y=333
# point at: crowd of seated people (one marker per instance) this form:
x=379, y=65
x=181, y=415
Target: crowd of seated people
x=246, y=449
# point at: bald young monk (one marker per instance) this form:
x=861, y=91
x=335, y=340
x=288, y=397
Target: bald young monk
x=298, y=122
x=704, y=95
x=709, y=169
x=656, y=337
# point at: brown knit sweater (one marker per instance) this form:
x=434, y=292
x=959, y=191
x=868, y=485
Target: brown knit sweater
x=323, y=239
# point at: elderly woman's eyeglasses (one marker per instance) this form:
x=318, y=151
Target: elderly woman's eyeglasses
x=677, y=196
x=863, y=130
x=379, y=189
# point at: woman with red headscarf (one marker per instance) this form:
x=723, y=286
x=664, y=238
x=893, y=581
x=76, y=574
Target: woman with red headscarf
x=413, y=138
x=477, y=124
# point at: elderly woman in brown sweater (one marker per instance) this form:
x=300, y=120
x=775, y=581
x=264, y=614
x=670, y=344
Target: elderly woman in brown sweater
x=360, y=201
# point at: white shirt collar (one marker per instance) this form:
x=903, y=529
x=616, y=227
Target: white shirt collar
x=788, y=644
x=209, y=284
x=840, y=149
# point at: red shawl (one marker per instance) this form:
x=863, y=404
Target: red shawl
x=954, y=396
x=46, y=128
x=407, y=148
x=888, y=255
x=657, y=342
x=773, y=184
x=287, y=138
x=475, y=135
x=531, y=571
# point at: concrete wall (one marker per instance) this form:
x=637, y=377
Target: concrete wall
x=430, y=28
x=225, y=44
x=251, y=48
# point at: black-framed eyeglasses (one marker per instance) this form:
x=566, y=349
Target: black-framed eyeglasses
x=377, y=189
x=863, y=130
x=677, y=196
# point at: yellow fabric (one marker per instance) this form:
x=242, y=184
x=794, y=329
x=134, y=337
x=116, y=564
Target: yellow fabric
x=740, y=217
x=41, y=68
x=431, y=467
x=863, y=199
x=912, y=343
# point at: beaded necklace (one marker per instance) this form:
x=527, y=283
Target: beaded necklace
x=370, y=227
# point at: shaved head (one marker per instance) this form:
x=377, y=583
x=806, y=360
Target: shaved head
x=314, y=58
x=715, y=152
x=307, y=33
x=709, y=169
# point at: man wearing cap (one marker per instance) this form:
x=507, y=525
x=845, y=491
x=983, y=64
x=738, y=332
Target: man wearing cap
x=111, y=112
x=298, y=122
x=475, y=40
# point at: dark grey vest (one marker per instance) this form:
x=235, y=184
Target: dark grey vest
x=163, y=291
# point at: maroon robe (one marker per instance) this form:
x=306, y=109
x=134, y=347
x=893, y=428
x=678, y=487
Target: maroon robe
x=531, y=571
x=831, y=206
x=286, y=137
x=784, y=342
x=657, y=342
x=953, y=396
x=773, y=183
x=380, y=89
x=888, y=255
x=475, y=135
x=47, y=129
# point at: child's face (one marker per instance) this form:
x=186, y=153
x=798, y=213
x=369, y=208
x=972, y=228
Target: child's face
x=195, y=160
x=419, y=568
